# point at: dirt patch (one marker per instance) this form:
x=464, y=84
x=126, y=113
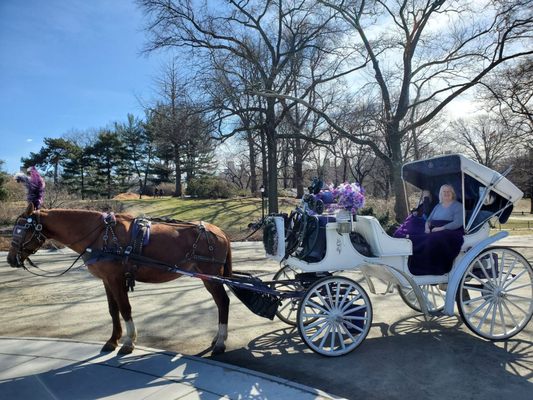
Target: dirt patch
x=126, y=196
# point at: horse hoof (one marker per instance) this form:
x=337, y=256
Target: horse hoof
x=126, y=349
x=108, y=348
x=218, y=350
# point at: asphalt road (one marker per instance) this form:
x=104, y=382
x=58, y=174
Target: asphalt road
x=404, y=356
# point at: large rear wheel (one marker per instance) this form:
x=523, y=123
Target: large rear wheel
x=495, y=295
x=334, y=316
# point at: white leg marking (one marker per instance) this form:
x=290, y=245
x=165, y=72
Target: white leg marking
x=222, y=335
x=131, y=333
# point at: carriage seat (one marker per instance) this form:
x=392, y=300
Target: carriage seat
x=474, y=238
x=381, y=243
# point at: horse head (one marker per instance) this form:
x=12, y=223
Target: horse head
x=27, y=237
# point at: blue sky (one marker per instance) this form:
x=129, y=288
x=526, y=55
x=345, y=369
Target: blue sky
x=68, y=65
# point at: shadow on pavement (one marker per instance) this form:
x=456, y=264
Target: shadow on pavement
x=413, y=358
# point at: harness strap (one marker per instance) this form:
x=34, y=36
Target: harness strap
x=140, y=235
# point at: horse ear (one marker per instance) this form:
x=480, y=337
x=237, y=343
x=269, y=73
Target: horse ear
x=29, y=210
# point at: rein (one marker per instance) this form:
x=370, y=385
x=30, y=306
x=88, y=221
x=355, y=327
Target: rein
x=47, y=275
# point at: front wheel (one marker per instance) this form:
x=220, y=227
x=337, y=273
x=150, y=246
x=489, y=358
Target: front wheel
x=334, y=316
x=288, y=309
x=495, y=295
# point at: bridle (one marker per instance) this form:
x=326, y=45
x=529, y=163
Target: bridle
x=23, y=245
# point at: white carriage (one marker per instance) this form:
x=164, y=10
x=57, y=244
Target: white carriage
x=492, y=286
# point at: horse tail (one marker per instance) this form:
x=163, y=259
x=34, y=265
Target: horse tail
x=227, y=265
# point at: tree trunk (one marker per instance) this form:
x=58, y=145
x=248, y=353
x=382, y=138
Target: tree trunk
x=264, y=157
x=272, y=165
x=395, y=166
x=178, y=191
x=298, y=168
x=253, y=172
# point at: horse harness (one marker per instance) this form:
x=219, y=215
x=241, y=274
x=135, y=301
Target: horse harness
x=131, y=256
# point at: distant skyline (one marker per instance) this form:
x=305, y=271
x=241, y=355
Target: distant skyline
x=69, y=65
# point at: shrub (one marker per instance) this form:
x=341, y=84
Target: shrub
x=210, y=188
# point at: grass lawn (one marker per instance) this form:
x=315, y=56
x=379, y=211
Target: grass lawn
x=232, y=215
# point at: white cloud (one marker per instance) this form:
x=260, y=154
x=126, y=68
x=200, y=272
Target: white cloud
x=29, y=140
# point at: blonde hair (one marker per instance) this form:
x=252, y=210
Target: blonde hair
x=454, y=196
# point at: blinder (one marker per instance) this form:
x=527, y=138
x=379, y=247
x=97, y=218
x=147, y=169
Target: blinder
x=24, y=245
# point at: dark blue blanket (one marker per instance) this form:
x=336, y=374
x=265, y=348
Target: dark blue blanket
x=433, y=253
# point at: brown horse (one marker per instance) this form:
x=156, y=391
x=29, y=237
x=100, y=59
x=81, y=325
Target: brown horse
x=170, y=243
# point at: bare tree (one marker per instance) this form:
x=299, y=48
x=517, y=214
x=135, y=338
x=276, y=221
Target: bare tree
x=435, y=49
x=485, y=139
x=264, y=35
x=509, y=93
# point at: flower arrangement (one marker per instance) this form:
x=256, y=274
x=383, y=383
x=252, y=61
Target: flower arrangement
x=348, y=196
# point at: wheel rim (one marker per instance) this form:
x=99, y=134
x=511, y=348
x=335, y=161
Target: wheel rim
x=434, y=296
x=334, y=316
x=288, y=310
x=495, y=297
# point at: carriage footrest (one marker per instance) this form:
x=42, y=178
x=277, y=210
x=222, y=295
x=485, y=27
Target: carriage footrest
x=262, y=304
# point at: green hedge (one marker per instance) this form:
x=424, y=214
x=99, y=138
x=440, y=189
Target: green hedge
x=211, y=188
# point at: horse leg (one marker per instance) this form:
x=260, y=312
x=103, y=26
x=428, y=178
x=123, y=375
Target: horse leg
x=112, y=343
x=120, y=293
x=222, y=301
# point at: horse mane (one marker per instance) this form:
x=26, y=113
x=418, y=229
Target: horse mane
x=34, y=185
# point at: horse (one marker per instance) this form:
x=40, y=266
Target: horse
x=193, y=246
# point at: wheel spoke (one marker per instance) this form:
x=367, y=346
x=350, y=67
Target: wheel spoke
x=341, y=337
x=337, y=294
x=325, y=336
x=480, y=307
x=517, y=306
x=475, y=277
x=504, y=303
x=355, y=318
x=324, y=302
x=502, y=317
x=314, y=324
x=347, y=331
x=343, y=300
x=502, y=268
x=476, y=299
x=314, y=304
x=491, y=262
x=319, y=331
x=330, y=297
x=348, y=323
x=493, y=319
x=519, y=287
x=484, y=318
x=514, y=278
x=351, y=302
x=478, y=289
x=510, y=270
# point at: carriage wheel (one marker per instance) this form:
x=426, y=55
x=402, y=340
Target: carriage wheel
x=435, y=297
x=495, y=295
x=288, y=309
x=334, y=316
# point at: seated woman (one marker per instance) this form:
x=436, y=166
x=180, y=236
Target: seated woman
x=436, y=248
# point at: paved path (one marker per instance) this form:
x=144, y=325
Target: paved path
x=42, y=369
x=404, y=356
